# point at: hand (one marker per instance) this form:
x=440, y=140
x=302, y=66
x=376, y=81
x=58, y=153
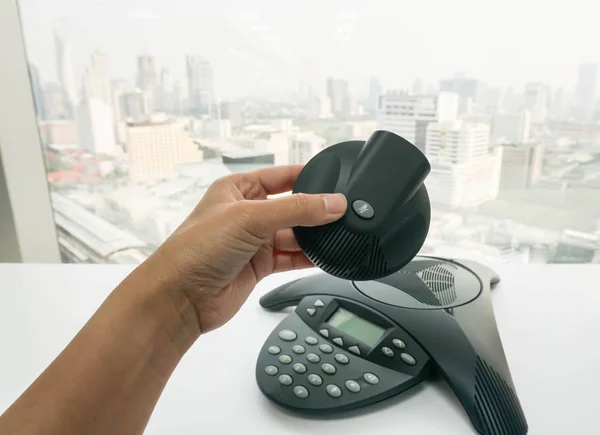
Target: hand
x=235, y=237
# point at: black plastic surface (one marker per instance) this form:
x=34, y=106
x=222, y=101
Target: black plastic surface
x=463, y=342
x=387, y=172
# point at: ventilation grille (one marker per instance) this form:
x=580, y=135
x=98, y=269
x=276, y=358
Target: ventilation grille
x=342, y=253
x=496, y=404
x=440, y=280
x=422, y=294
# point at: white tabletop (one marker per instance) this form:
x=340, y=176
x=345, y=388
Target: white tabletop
x=548, y=316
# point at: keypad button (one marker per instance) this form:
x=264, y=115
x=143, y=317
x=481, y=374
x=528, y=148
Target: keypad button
x=334, y=391
x=311, y=311
x=271, y=370
x=408, y=359
x=325, y=348
x=287, y=335
x=274, y=350
x=285, y=380
x=299, y=368
x=298, y=349
x=311, y=340
x=324, y=333
x=319, y=303
x=313, y=358
x=315, y=380
x=328, y=368
x=398, y=343
x=300, y=392
x=338, y=341
x=353, y=386
x=388, y=352
x=370, y=378
x=341, y=358
x=354, y=349
x=285, y=359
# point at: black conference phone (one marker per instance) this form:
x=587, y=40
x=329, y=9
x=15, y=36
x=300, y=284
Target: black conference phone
x=369, y=329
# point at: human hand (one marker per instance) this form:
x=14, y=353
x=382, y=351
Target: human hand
x=235, y=237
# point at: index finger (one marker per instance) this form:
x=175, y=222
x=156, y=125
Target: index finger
x=278, y=179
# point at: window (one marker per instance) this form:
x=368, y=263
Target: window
x=142, y=104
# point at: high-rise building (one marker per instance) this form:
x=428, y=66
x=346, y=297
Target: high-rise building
x=38, y=92
x=409, y=115
x=521, y=165
x=464, y=173
x=157, y=147
x=586, y=91
x=469, y=90
x=304, y=146
x=200, y=85
x=64, y=65
x=537, y=101
x=55, y=103
x=96, y=84
x=135, y=106
x=95, y=127
x=375, y=90
x=147, y=80
x=338, y=91
x=320, y=108
x=511, y=127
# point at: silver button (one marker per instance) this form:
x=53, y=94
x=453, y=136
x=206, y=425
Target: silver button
x=353, y=386
x=311, y=311
x=324, y=333
x=338, y=341
x=354, y=349
x=311, y=340
x=328, y=368
x=319, y=303
x=285, y=380
x=370, y=378
x=285, y=359
x=274, y=350
x=313, y=358
x=271, y=370
x=299, y=368
x=408, y=359
x=298, y=349
x=341, y=358
x=287, y=335
x=315, y=380
x=334, y=390
x=325, y=348
x=300, y=392
x=398, y=343
x=388, y=352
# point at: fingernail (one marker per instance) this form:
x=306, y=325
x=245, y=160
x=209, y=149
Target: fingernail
x=335, y=203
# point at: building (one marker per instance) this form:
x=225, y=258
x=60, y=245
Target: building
x=409, y=115
x=375, y=90
x=147, y=79
x=320, y=108
x=537, y=101
x=96, y=84
x=464, y=173
x=586, y=90
x=338, y=91
x=200, y=85
x=469, y=90
x=64, y=65
x=521, y=165
x=135, y=106
x=58, y=132
x=156, y=147
x=38, y=92
x=95, y=127
x=304, y=146
x=511, y=127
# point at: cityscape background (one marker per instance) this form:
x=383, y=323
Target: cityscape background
x=515, y=166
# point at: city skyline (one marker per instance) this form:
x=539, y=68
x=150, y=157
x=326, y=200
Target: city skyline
x=263, y=47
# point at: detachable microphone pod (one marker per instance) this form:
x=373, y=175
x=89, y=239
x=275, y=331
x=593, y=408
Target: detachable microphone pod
x=388, y=213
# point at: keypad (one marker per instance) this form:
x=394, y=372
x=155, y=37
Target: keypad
x=299, y=368
x=300, y=392
x=287, y=335
x=354, y=350
x=341, y=358
x=398, y=343
x=324, y=333
x=271, y=370
x=370, y=378
x=388, y=352
x=328, y=368
x=311, y=340
x=274, y=350
x=313, y=358
x=315, y=380
x=325, y=348
x=334, y=391
x=285, y=380
x=285, y=359
x=298, y=349
x=338, y=341
x=408, y=359
x=353, y=386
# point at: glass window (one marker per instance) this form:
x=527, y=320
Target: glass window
x=142, y=104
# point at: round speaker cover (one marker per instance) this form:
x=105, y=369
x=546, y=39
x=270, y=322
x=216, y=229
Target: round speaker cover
x=388, y=213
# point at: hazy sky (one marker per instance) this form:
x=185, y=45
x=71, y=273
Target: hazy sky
x=260, y=45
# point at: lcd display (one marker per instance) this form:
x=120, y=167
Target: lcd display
x=361, y=329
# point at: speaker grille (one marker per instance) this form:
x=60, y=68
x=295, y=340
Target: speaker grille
x=342, y=253
x=497, y=404
x=440, y=279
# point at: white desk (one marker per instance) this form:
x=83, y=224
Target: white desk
x=548, y=316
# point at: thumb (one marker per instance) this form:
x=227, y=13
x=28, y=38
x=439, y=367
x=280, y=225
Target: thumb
x=300, y=209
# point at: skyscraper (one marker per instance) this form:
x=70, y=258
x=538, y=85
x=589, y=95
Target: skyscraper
x=38, y=92
x=586, y=92
x=200, y=85
x=64, y=65
x=338, y=91
x=146, y=77
x=375, y=90
x=95, y=127
x=96, y=84
x=470, y=90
